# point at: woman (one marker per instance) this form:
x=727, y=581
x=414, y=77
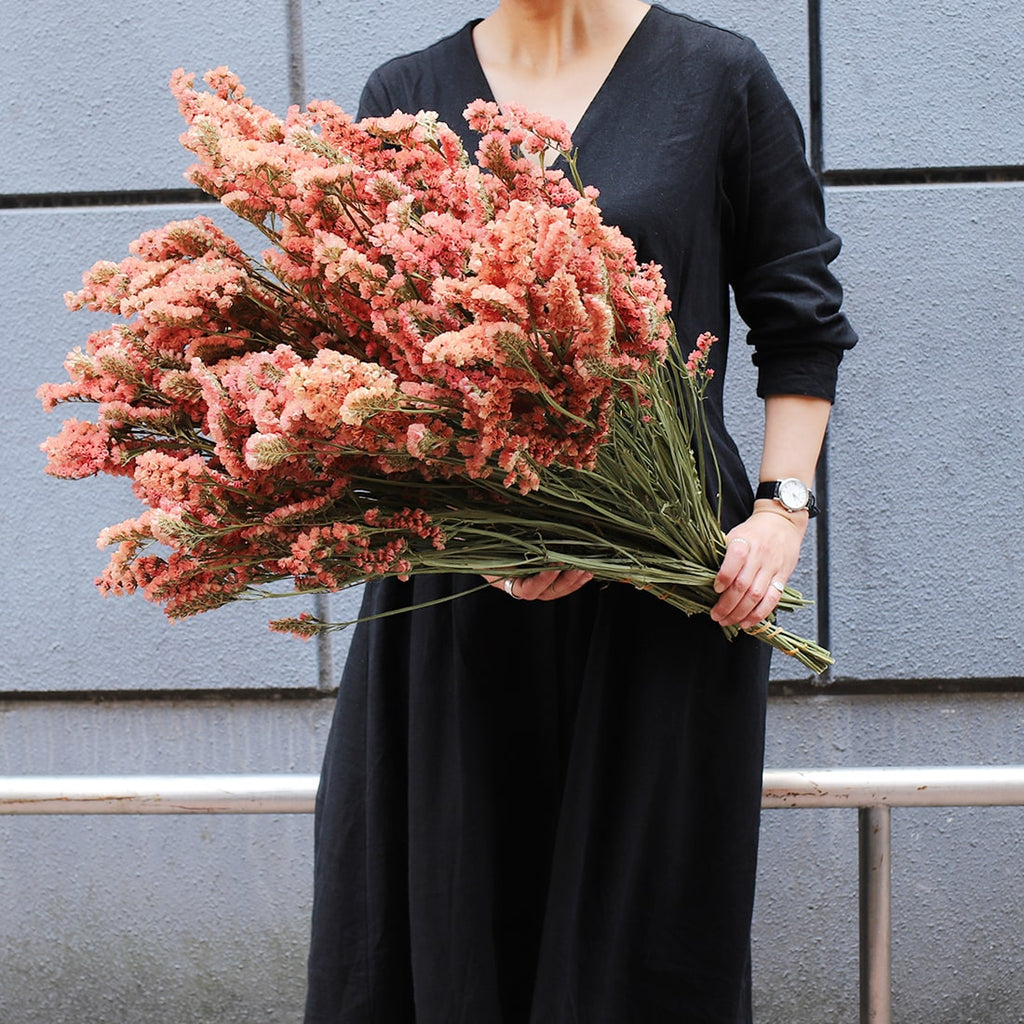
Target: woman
x=540, y=802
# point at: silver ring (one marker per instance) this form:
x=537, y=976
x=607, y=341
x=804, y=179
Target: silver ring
x=780, y=587
x=508, y=585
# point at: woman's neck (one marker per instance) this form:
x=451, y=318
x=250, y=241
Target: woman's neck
x=543, y=36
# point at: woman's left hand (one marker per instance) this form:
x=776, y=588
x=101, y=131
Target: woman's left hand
x=547, y=585
x=761, y=551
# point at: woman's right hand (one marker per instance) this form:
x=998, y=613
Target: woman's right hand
x=548, y=585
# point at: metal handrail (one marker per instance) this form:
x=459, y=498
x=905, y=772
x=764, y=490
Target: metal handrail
x=158, y=794
x=873, y=791
x=1000, y=786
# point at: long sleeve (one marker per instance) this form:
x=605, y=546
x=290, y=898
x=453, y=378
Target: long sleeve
x=781, y=248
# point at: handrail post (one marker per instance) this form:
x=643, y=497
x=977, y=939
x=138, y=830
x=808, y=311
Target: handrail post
x=875, y=848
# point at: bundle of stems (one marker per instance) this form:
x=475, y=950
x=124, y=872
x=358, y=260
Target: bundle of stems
x=642, y=515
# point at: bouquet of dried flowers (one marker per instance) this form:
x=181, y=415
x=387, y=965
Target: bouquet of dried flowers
x=436, y=366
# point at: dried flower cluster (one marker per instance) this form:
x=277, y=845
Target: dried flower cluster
x=428, y=349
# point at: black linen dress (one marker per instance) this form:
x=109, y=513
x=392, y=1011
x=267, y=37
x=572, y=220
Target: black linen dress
x=548, y=812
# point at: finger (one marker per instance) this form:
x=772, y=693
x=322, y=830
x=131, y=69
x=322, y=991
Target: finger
x=761, y=612
x=553, y=584
x=741, y=577
x=503, y=583
x=521, y=587
x=747, y=590
x=542, y=586
x=567, y=582
x=755, y=603
x=762, y=609
x=531, y=588
x=737, y=550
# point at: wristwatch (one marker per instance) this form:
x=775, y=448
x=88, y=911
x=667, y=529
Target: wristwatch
x=792, y=494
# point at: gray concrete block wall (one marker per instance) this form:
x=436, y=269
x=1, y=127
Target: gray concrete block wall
x=86, y=105
x=204, y=920
x=926, y=469
x=923, y=83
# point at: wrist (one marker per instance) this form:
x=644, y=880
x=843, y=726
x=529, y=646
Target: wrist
x=769, y=506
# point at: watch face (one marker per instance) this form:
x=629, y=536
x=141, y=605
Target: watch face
x=793, y=494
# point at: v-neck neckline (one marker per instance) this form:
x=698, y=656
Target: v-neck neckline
x=487, y=93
